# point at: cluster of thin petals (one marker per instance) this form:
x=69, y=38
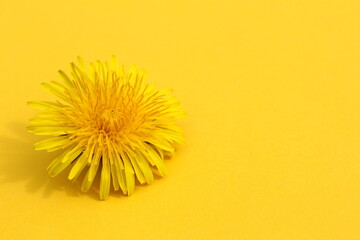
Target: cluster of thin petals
x=107, y=120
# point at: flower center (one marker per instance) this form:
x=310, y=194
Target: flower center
x=112, y=120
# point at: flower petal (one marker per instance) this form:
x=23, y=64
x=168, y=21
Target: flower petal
x=62, y=162
x=105, y=180
x=51, y=143
x=78, y=167
x=43, y=105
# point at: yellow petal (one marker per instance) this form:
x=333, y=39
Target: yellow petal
x=91, y=173
x=170, y=135
x=50, y=130
x=165, y=145
x=134, y=162
x=43, y=105
x=65, y=160
x=120, y=172
x=78, y=167
x=105, y=180
x=129, y=175
x=145, y=168
x=56, y=90
x=66, y=79
x=114, y=176
x=154, y=156
x=52, y=143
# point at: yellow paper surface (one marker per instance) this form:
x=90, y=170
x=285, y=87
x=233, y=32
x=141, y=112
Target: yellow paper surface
x=273, y=128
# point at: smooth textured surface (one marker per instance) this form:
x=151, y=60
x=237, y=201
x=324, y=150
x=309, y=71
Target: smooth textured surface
x=273, y=131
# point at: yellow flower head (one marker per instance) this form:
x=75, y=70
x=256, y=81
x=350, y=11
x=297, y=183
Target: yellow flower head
x=107, y=119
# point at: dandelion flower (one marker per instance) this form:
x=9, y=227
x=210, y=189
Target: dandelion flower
x=110, y=121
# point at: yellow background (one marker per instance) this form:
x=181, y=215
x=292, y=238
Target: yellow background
x=273, y=127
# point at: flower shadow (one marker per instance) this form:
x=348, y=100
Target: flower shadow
x=21, y=163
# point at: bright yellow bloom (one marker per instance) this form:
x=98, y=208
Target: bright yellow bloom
x=110, y=120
